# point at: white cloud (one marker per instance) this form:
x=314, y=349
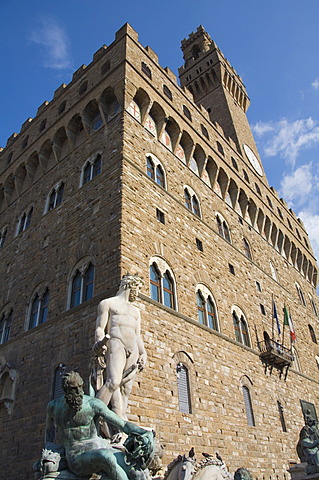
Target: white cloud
x=260, y=128
x=286, y=139
x=54, y=42
x=315, y=84
x=311, y=222
x=296, y=186
x=300, y=189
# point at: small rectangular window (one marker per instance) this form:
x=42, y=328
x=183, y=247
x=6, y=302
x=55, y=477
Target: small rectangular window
x=199, y=245
x=160, y=216
x=258, y=286
x=262, y=309
x=231, y=268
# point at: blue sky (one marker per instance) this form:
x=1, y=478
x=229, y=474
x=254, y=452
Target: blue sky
x=272, y=44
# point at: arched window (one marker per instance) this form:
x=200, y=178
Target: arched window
x=312, y=333
x=206, y=310
x=183, y=387
x=155, y=283
x=191, y=201
x=168, y=292
x=39, y=309
x=5, y=326
x=273, y=271
x=92, y=168
x=222, y=227
x=247, y=251
x=167, y=92
x=25, y=221
x=82, y=285
x=248, y=406
x=313, y=305
x=187, y=113
x=162, y=284
x=150, y=168
x=55, y=197
x=155, y=170
x=188, y=199
x=300, y=295
x=146, y=69
x=241, y=328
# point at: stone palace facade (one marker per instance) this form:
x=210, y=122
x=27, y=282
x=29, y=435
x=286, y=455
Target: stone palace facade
x=125, y=170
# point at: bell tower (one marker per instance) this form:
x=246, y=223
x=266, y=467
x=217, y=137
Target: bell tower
x=217, y=87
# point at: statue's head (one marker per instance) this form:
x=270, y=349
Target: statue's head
x=72, y=384
x=50, y=461
x=140, y=449
x=243, y=474
x=132, y=282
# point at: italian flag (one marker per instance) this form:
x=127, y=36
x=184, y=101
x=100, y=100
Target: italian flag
x=288, y=321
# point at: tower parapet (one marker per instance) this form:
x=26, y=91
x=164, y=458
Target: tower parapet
x=216, y=85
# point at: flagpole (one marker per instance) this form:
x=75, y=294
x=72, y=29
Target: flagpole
x=272, y=317
x=292, y=326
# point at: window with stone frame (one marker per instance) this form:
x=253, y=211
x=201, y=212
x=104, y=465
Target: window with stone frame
x=222, y=228
x=5, y=326
x=39, y=306
x=167, y=92
x=248, y=406
x=273, y=271
x=206, y=309
x=155, y=170
x=187, y=113
x=92, y=168
x=162, y=283
x=183, y=388
x=246, y=248
x=25, y=220
x=300, y=294
x=313, y=305
x=146, y=69
x=82, y=285
x=55, y=197
x=191, y=201
x=312, y=333
x=241, y=328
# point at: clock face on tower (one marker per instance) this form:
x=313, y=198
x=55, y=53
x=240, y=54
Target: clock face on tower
x=253, y=160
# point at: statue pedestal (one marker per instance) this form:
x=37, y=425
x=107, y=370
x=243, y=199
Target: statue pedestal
x=299, y=472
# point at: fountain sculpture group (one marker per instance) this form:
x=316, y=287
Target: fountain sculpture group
x=95, y=439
